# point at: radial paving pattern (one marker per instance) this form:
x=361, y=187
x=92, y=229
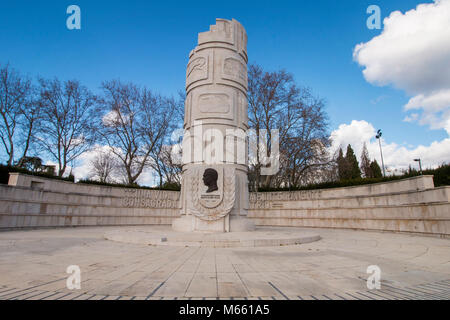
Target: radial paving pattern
x=33, y=266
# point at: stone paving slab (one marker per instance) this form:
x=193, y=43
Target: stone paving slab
x=33, y=267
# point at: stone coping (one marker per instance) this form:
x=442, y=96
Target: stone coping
x=252, y=192
x=137, y=190
x=424, y=180
x=17, y=179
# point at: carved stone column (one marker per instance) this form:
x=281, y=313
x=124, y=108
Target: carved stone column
x=214, y=184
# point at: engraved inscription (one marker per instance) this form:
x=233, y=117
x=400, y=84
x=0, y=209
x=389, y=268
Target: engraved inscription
x=267, y=200
x=138, y=198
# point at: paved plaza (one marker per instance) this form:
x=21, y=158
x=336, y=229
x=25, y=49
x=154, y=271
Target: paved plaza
x=33, y=265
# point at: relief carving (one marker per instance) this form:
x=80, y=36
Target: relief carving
x=225, y=200
x=233, y=68
x=197, y=69
x=214, y=103
x=210, y=177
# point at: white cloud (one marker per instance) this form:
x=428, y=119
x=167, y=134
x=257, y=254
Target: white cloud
x=379, y=99
x=114, y=118
x=83, y=167
x=83, y=170
x=412, y=117
x=413, y=54
x=395, y=156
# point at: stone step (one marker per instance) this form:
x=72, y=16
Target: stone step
x=402, y=198
x=8, y=221
x=430, y=227
x=439, y=211
x=30, y=195
x=258, y=238
x=426, y=219
x=17, y=207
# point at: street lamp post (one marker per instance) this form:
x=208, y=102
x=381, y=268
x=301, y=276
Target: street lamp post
x=378, y=136
x=420, y=165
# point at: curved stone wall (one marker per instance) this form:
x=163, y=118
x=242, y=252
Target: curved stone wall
x=30, y=201
x=410, y=205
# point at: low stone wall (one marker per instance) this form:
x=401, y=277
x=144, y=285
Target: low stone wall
x=409, y=205
x=30, y=201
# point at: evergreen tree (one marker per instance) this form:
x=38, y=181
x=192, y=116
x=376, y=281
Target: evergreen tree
x=342, y=166
x=376, y=170
x=353, y=165
x=365, y=162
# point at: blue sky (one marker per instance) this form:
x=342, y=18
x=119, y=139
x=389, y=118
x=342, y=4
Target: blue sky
x=148, y=42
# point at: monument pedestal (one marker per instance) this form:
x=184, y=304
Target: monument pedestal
x=241, y=224
x=163, y=236
x=189, y=223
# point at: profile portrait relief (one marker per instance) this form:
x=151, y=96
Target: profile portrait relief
x=210, y=177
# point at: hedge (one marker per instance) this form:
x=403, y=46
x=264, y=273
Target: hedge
x=5, y=170
x=169, y=187
x=441, y=177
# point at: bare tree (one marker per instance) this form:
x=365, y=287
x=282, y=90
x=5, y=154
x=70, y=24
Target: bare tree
x=172, y=164
x=66, y=129
x=276, y=102
x=29, y=124
x=166, y=164
x=103, y=166
x=15, y=92
x=166, y=156
x=135, y=122
x=304, y=143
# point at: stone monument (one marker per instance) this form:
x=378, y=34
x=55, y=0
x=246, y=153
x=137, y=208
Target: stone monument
x=214, y=193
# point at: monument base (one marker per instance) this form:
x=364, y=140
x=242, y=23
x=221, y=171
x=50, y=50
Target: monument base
x=163, y=236
x=182, y=224
x=226, y=224
x=241, y=224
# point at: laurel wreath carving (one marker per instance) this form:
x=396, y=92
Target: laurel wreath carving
x=224, y=207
